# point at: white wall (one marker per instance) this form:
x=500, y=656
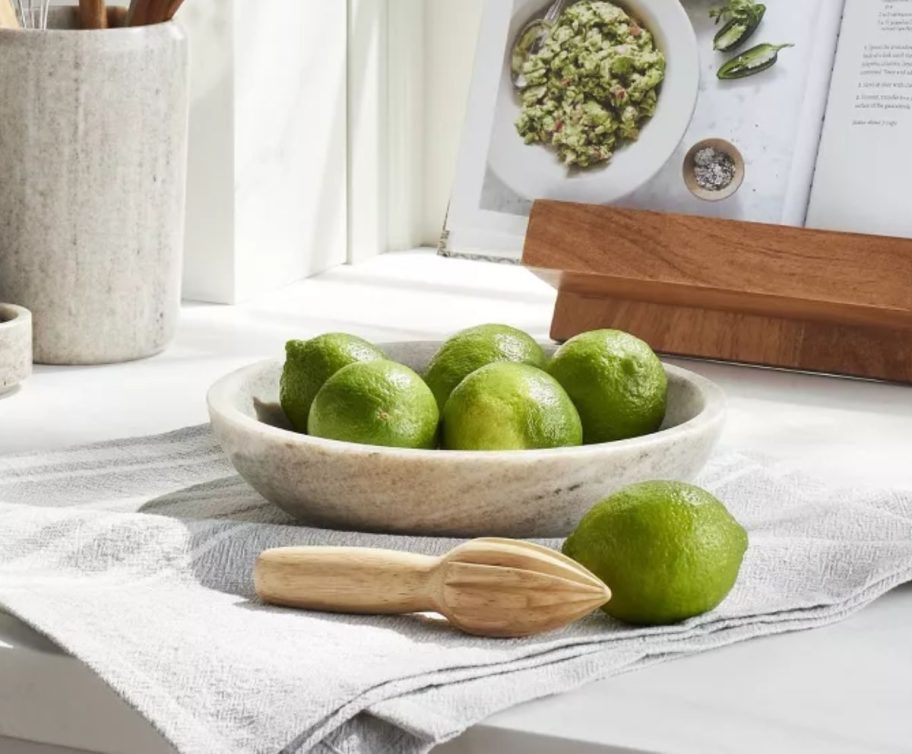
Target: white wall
x=209, y=237
x=450, y=33
x=266, y=193
x=290, y=133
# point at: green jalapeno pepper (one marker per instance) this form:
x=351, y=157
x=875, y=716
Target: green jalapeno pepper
x=738, y=28
x=752, y=61
x=732, y=10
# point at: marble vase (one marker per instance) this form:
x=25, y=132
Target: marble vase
x=93, y=135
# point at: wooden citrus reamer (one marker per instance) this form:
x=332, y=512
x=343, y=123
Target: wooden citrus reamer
x=487, y=586
x=697, y=286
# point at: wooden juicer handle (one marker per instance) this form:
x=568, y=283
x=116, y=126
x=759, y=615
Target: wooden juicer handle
x=346, y=579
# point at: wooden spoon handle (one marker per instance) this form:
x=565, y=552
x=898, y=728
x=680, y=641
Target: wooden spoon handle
x=135, y=8
x=146, y=12
x=173, y=7
x=142, y=12
x=117, y=16
x=93, y=14
x=345, y=579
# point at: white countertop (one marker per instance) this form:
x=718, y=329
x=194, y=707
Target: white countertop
x=839, y=689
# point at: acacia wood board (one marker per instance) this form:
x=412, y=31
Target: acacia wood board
x=747, y=292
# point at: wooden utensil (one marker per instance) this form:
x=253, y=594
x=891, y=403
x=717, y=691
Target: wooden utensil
x=93, y=14
x=117, y=16
x=172, y=8
x=8, y=18
x=145, y=12
x=487, y=586
x=139, y=12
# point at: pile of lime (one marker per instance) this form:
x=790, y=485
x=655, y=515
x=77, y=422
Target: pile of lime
x=489, y=387
x=668, y=551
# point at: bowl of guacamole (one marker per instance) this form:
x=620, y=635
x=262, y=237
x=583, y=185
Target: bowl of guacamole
x=606, y=99
x=591, y=85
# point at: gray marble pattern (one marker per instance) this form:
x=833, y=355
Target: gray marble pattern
x=527, y=493
x=93, y=133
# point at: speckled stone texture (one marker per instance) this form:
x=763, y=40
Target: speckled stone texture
x=93, y=133
x=530, y=493
x=15, y=346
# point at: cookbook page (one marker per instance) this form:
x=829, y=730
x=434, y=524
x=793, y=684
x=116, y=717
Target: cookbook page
x=638, y=103
x=773, y=119
x=862, y=178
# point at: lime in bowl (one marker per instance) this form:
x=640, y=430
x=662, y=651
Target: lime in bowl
x=514, y=493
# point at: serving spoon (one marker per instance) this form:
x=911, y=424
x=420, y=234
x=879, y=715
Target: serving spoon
x=530, y=39
x=487, y=586
x=93, y=14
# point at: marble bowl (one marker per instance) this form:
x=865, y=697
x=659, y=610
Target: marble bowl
x=526, y=493
x=15, y=346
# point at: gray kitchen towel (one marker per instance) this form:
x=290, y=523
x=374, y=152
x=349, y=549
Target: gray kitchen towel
x=135, y=556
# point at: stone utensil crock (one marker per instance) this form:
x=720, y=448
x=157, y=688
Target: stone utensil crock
x=93, y=135
x=15, y=346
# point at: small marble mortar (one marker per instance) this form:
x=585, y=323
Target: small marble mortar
x=15, y=346
x=525, y=493
x=93, y=141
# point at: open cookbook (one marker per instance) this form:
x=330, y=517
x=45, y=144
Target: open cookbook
x=796, y=113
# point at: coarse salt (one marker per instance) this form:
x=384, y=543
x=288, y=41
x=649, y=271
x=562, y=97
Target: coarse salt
x=714, y=170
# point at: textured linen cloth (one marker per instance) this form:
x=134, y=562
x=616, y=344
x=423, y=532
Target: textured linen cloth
x=136, y=557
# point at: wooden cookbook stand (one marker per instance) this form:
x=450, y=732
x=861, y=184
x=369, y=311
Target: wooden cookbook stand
x=759, y=294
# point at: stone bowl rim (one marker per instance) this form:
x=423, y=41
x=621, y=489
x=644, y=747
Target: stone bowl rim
x=12, y=315
x=221, y=402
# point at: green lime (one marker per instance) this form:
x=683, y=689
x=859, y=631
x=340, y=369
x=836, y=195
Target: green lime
x=474, y=348
x=667, y=550
x=309, y=363
x=507, y=406
x=376, y=403
x=615, y=380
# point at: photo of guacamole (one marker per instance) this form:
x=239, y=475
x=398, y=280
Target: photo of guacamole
x=591, y=85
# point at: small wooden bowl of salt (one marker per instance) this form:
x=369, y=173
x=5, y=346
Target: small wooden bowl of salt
x=713, y=169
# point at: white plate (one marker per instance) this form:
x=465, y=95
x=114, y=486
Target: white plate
x=534, y=171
